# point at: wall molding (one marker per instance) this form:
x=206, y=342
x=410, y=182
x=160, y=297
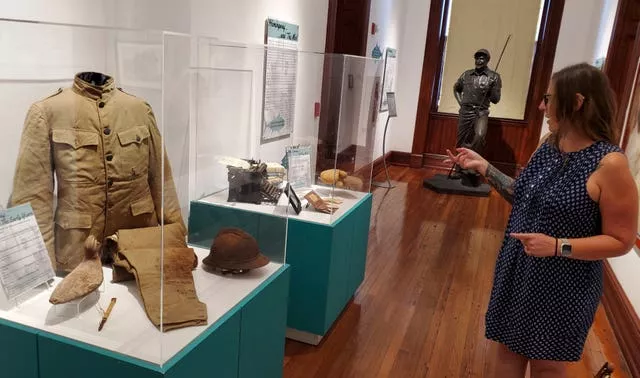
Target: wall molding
x=624, y=321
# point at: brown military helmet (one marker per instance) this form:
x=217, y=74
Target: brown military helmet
x=234, y=250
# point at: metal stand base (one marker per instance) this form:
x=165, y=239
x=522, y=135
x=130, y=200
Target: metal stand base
x=303, y=337
x=385, y=184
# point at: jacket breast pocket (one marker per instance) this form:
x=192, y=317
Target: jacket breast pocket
x=143, y=213
x=72, y=229
x=75, y=152
x=133, y=159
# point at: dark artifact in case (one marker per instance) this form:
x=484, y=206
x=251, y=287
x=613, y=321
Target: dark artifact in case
x=251, y=185
x=293, y=199
x=234, y=251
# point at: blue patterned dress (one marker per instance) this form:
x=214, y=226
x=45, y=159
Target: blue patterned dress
x=542, y=308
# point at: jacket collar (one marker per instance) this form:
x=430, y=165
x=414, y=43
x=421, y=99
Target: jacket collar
x=94, y=85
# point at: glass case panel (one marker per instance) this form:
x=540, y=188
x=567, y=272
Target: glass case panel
x=309, y=117
x=352, y=93
x=212, y=101
x=83, y=167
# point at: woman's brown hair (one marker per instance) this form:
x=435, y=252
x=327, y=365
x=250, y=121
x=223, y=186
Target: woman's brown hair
x=596, y=116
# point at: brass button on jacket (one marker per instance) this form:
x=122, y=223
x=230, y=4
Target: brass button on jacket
x=63, y=136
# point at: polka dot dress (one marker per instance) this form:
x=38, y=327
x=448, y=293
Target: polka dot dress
x=542, y=308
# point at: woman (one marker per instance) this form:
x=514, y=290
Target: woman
x=573, y=205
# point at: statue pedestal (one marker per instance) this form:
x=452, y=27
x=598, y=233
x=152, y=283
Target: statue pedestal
x=443, y=184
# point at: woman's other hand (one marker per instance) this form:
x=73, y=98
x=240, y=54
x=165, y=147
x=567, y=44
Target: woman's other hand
x=538, y=245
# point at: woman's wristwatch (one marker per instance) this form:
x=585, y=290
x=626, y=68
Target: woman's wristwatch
x=565, y=248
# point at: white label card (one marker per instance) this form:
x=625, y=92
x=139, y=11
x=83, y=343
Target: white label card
x=24, y=260
x=299, y=172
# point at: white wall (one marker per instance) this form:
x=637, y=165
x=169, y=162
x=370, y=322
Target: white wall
x=36, y=60
x=626, y=269
x=388, y=16
x=173, y=15
x=414, y=17
x=243, y=21
x=88, y=12
x=578, y=19
x=45, y=57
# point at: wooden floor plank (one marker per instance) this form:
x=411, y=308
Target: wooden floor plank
x=420, y=310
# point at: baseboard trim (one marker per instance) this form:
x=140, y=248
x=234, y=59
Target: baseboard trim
x=400, y=158
x=624, y=321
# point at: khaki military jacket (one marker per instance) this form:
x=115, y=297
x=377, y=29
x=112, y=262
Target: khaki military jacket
x=100, y=148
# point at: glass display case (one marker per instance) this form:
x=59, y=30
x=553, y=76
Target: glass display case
x=309, y=117
x=282, y=144
x=83, y=162
x=98, y=166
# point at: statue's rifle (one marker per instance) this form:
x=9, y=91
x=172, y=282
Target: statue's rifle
x=497, y=65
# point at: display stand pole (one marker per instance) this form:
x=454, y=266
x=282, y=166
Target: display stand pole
x=391, y=101
x=388, y=184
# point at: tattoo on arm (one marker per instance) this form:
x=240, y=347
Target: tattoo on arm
x=501, y=182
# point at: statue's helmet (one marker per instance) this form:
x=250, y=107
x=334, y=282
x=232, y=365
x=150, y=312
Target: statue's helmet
x=484, y=52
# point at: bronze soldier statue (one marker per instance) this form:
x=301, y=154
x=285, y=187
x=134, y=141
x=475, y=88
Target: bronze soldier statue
x=475, y=90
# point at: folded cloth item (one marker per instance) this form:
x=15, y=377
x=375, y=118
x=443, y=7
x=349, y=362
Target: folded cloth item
x=144, y=238
x=84, y=278
x=139, y=255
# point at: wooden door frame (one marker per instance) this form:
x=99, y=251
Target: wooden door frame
x=326, y=156
x=622, y=59
x=622, y=68
x=629, y=108
x=332, y=17
x=432, y=134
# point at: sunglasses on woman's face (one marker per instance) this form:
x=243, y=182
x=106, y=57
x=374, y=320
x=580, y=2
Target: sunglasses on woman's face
x=546, y=98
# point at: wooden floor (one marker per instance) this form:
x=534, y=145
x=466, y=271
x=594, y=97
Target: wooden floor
x=420, y=310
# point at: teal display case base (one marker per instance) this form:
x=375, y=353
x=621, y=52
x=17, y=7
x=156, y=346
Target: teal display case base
x=246, y=342
x=328, y=265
